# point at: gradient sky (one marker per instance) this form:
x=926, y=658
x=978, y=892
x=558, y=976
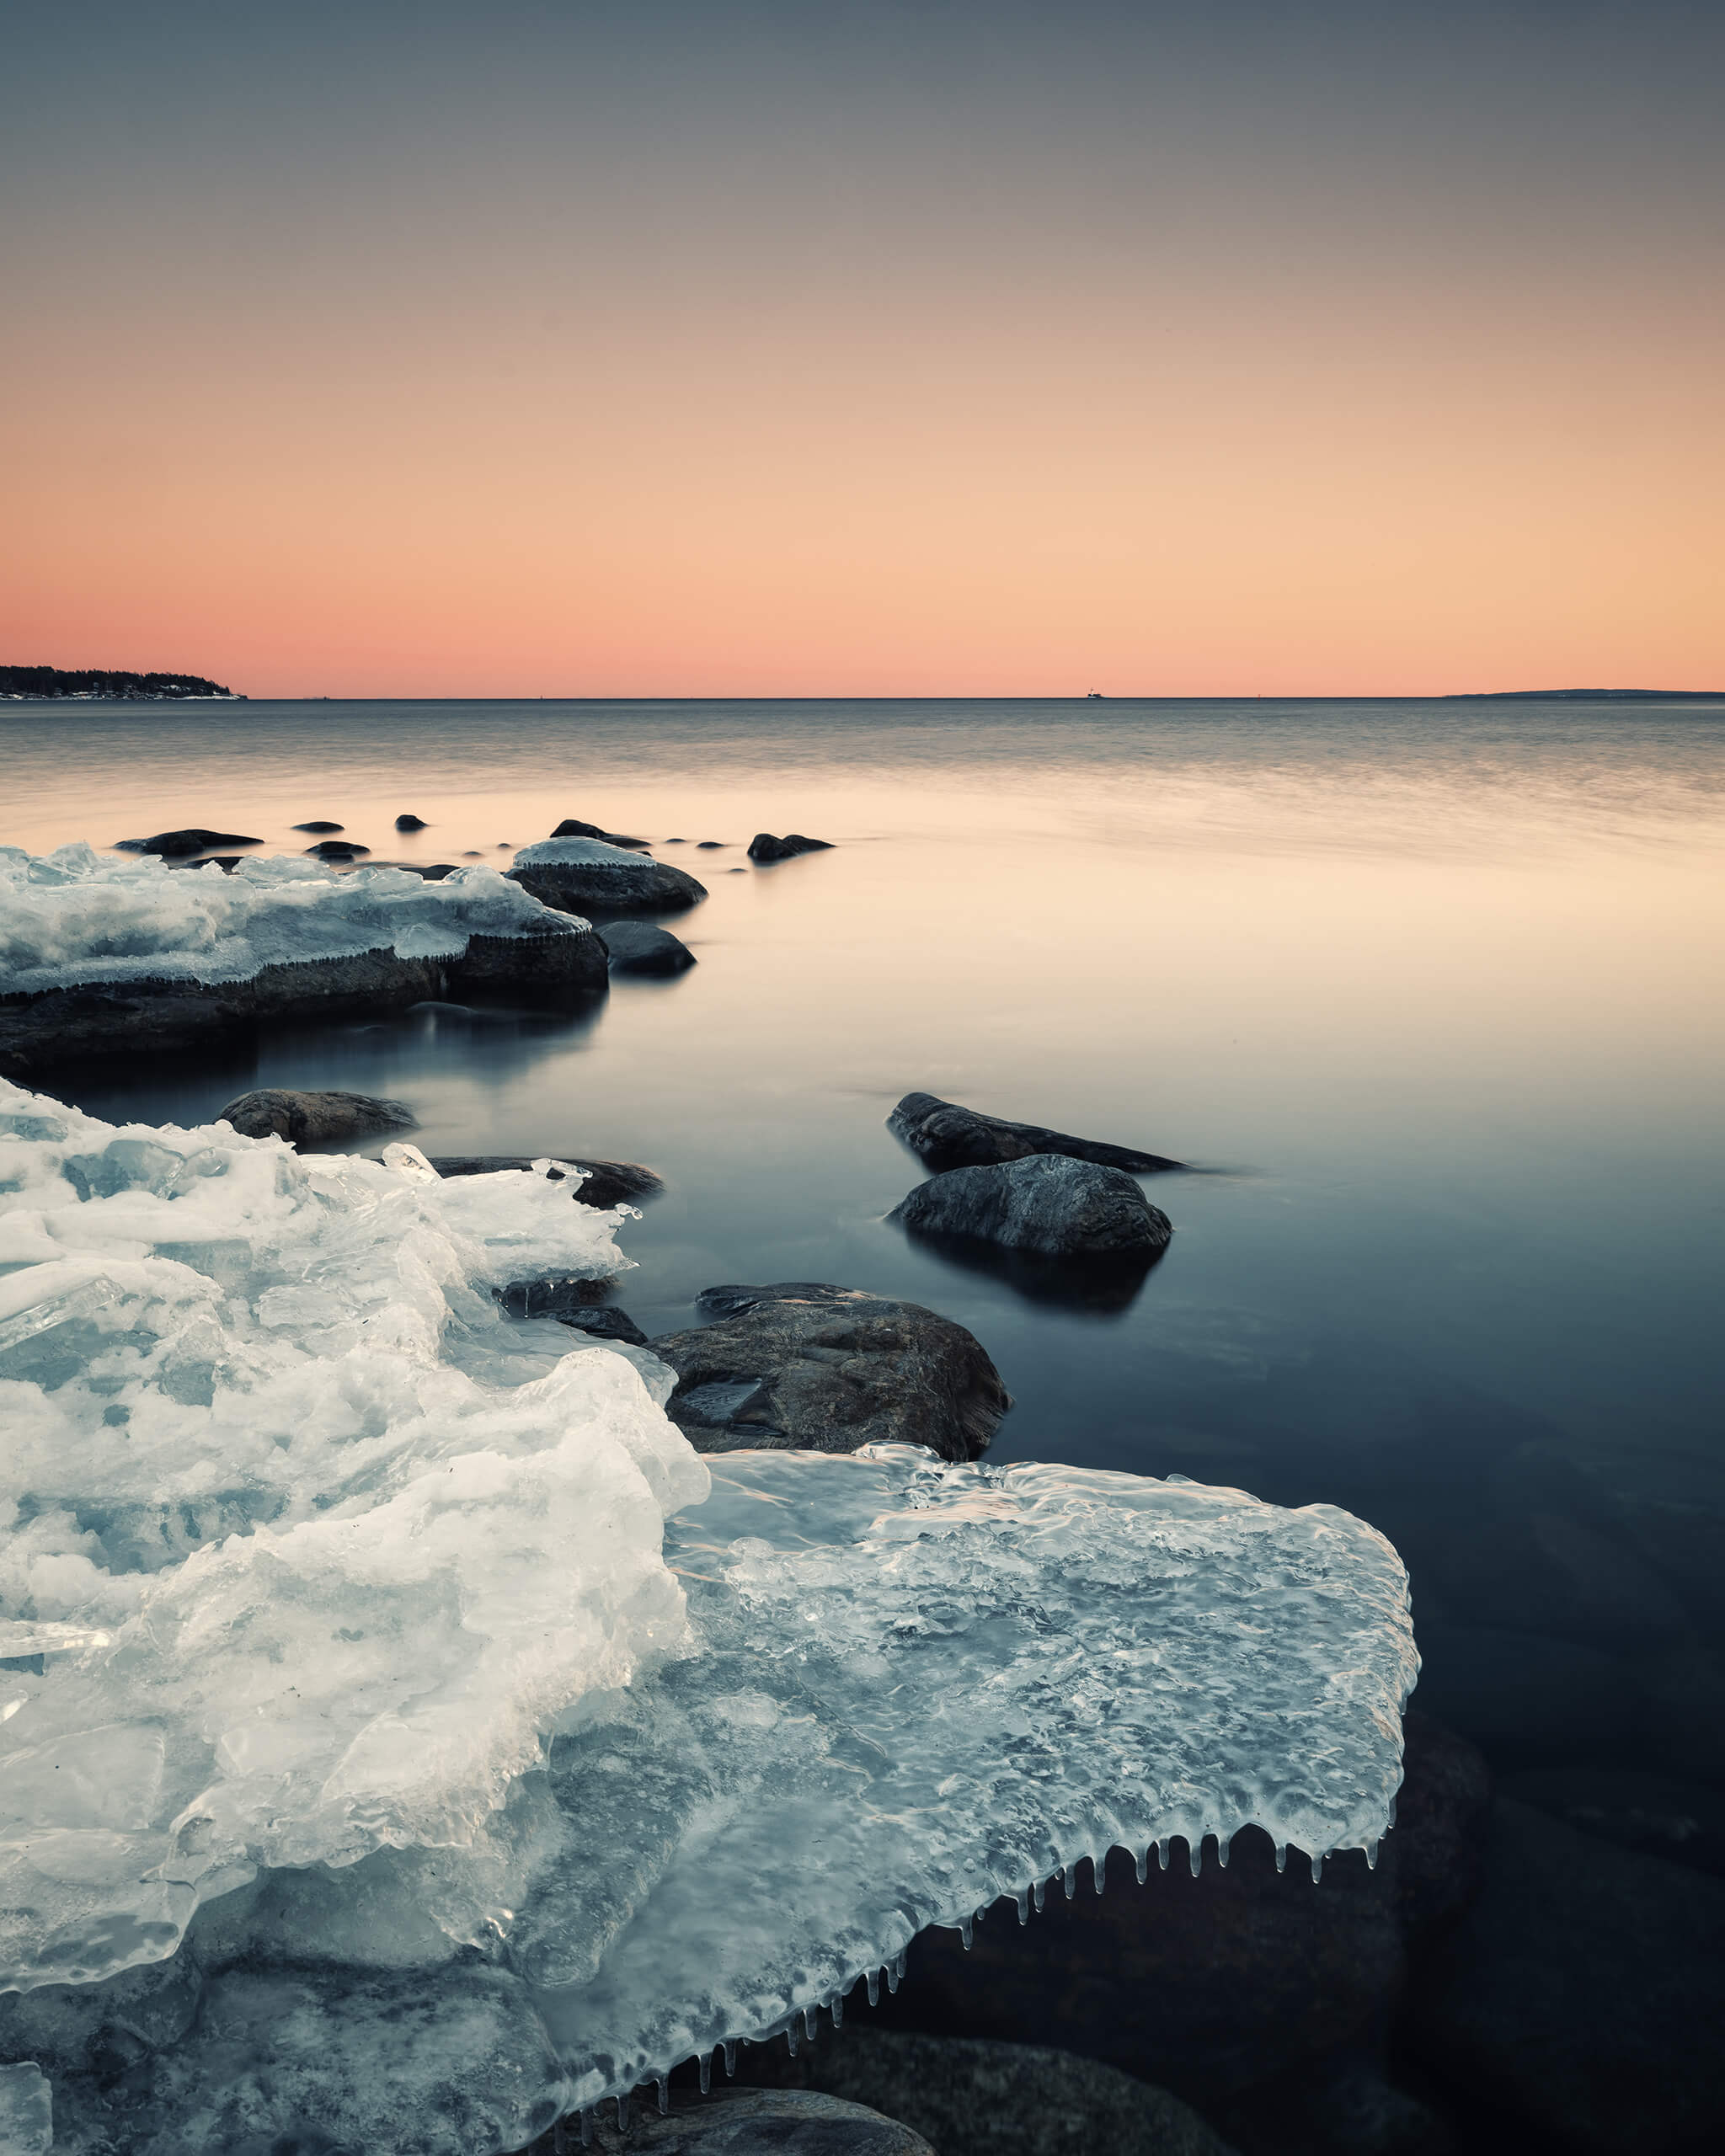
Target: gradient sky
x=865, y=346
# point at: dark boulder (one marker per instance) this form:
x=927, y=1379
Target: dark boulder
x=949, y=1136
x=764, y=846
x=174, y=845
x=711, y=845
x=410, y=824
x=805, y=1366
x=320, y=824
x=337, y=850
x=605, y=1182
x=1576, y=1994
x=1046, y=1204
x=314, y=1118
x=572, y=827
x=1214, y=1985
x=970, y=2098
x=748, y=2122
x=635, y=947
x=592, y=877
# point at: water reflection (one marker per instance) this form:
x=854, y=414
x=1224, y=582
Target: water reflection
x=1094, y=1287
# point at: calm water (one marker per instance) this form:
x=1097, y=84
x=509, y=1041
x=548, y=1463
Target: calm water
x=1430, y=993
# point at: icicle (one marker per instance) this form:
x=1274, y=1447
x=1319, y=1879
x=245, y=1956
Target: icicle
x=901, y=1961
x=559, y=2140
x=664, y=2097
x=1142, y=1862
x=811, y=2022
x=791, y=2036
x=586, y=2127
x=835, y=2007
x=1162, y=1852
x=622, y=2114
x=892, y=1975
x=1318, y=1870
x=1281, y=1856
x=874, y=1987
x=707, y=2073
x=1392, y=1811
x=1069, y=1880
x=1371, y=1856
x=1222, y=1841
x=1037, y=1890
x=730, y=2061
x=1099, y=1872
x=964, y=1933
x=1023, y=1905
x=1194, y=1854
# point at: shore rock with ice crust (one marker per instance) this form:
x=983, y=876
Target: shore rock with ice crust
x=409, y=1741
x=588, y=875
x=111, y=955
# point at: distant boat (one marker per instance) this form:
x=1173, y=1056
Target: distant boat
x=1095, y=696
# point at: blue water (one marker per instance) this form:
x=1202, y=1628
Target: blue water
x=1428, y=992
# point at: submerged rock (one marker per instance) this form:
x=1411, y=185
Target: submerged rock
x=755, y=2122
x=337, y=850
x=572, y=827
x=635, y=947
x=1046, y=1203
x=806, y=1366
x=314, y=1118
x=588, y=875
x=764, y=846
x=949, y=1136
x=410, y=824
x=319, y=825
x=606, y=1182
x=972, y=2098
x=175, y=845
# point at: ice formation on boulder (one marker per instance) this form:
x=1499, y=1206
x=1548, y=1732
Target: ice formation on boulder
x=404, y=1741
x=74, y=916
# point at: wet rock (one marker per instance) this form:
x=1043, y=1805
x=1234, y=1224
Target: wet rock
x=970, y=2098
x=314, y=1118
x=1683, y=1822
x=1213, y=1986
x=1046, y=1203
x=410, y=824
x=176, y=845
x=337, y=850
x=1576, y=1993
x=807, y=1366
x=606, y=1182
x=574, y=1303
x=635, y=947
x=710, y=845
x=949, y=1136
x=320, y=824
x=764, y=846
x=571, y=827
x=590, y=875
x=754, y=2122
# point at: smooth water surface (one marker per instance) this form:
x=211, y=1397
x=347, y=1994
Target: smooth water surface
x=1427, y=993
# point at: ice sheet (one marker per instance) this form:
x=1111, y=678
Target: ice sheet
x=75, y=916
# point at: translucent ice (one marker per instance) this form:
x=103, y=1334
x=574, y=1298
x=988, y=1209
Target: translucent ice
x=409, y=1743
x=76, y=916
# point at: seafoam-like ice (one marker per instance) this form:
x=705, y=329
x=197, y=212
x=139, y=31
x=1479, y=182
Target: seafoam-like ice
x=406, y=1741
x=75, y=917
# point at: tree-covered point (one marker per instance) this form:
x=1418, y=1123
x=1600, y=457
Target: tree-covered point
x=99, y=681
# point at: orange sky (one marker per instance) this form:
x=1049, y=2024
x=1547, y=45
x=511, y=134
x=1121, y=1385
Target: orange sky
x=866, y=394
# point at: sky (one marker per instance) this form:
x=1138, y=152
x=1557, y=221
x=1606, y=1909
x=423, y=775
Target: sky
x=865, y=347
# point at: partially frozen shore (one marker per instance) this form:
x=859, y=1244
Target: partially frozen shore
x=102, y=955
x=411, y=1741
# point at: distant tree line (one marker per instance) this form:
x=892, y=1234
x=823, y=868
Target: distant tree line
x=100, y=681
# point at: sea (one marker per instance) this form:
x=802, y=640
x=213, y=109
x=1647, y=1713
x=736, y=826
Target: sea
x=1427, y=994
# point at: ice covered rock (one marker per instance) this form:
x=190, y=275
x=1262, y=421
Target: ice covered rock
x=588, y=875
x=604, y=1183
x=103, y=952
x=407, y=1743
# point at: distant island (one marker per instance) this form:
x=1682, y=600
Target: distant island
x=96, y=684
x=1586, y=696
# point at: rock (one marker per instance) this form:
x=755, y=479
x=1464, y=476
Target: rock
x=587, y=875
x=1576, y=1994
x=1683, y=1822
x=949, y=1136
x=636, y=947
x=764, y=846
x=710, y=845
x=970, y=2098
x=319, y=824
x=314, y=1118
x=574, y=1303
x=607, y=1183
x=751, y=2122
x=175, y=845
x=227, y=862
x=337, y=850
x=571, y=827
x=803, y=1365
x=1046, y=1202
x=410, y=824
x=1212, y=1985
